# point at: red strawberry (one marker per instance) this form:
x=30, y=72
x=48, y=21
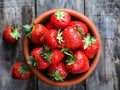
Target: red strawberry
x=53, y=38
x=77, y=63
x=49, y=25
x=52, y=56
x=58, y=71
x=82, y=27
x=60, y=19
x=11, y=35
x=35, y=32
x=21, y=71
x=72, y=38
x=90, y=46
x=37, y=60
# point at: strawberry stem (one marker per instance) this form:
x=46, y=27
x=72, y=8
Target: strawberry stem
x=28, y=29
x=47, y=54
x=80, y=31
x=60, y=14
x=71, y=58
x=88, y=40
x=55, y=75
x=67, y=51
x=23, y=69
x=32, y=61
x=15, y=33
x=59, y=36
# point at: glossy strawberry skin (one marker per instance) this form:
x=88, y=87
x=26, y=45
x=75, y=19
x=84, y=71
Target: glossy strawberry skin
x=81, y=25
x=7, y=37
x=90, y=51
x=16, y=73
x=81, y=64
x=50, y=38
x=57, y=56
x=49, y=25
x=36, y=34
x=42, y=64
x=61, y=67
x=60, y=23
x=72, y=38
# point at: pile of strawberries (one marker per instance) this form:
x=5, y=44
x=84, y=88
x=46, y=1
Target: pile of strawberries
x=61, y=46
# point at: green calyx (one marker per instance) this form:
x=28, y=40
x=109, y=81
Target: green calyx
x=70, y=60
x=47, y=54
x=32, y=61
x=88, y=40
x=15, y=33
x=55, y=75
x=59, y=37
x=28, y=29
x=23, y=69
x=70, y=57
x=60, y=14
x=80, y=31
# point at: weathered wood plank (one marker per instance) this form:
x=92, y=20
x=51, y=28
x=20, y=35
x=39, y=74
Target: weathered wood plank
x=44, y=5
x=105, y=15
x=13, y=14
x=14, y=3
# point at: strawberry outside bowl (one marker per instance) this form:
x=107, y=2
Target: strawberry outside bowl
x=71, y=79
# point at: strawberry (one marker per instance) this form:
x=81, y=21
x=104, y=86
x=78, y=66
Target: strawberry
x=21, y=71
x=72, y=38
x=76, y=63
x=11, y=35
x=90, y=46
x=60, y=19
x=82, y=27
x=35, y=32
x=37, y=60
x=49, y=25
x=53, y=38
x=52, y=56
x=58, y=71
x=43, y=57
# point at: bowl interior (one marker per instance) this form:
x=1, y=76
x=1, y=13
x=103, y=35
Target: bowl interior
x=71, y=79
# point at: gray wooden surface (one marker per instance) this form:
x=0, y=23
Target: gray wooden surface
x=104, y=13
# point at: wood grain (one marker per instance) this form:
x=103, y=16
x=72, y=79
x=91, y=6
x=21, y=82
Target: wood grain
x=105, y=14
x=44, y=5
x=13, y=13
x=102, y=13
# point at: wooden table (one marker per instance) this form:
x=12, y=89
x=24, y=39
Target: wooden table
x=104, y=13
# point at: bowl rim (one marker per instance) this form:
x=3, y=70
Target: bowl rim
x=93, y=64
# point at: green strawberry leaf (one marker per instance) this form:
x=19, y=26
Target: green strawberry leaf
x=71, y=58
x=28, y=29
x=88, y=40
x=60, y=14
x=15, y=33
x=55, y=75
x=80, y=31
x=59, y=36
x=47, y=54
x=32, y=61
x=23, y=69
x=67, y=51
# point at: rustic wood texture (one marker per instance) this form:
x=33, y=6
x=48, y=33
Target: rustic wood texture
x=13, y=13
x=106, y=16
x=104, y=13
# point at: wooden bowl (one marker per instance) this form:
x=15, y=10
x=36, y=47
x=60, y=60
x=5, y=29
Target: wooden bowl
x=72, y=79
